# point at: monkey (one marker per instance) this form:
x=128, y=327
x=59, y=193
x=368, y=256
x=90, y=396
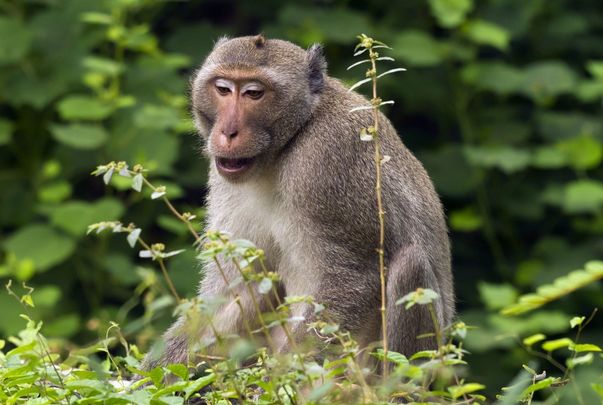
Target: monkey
x=289, y=172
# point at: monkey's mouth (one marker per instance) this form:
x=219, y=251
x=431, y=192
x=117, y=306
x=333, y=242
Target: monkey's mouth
x=233, y=166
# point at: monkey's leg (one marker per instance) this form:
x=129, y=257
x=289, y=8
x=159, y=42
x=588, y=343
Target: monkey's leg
x=408, y=270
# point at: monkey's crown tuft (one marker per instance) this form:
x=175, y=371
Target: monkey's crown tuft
x=259, y=40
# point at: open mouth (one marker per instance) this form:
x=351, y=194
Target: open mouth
x=233, y=166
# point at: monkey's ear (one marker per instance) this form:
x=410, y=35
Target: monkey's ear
x=317, y=65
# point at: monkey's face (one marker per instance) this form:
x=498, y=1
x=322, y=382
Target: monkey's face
x=239, y=133
x=250, y=97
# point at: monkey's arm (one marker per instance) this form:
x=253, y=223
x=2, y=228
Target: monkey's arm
x=194, y=330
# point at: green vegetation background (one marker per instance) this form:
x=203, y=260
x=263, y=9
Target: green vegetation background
x=501, y=102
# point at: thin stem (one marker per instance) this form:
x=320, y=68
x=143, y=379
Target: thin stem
x=163, y=270
x=237, y=297
x=256, y=306
x=380, y=212
x=174, y=210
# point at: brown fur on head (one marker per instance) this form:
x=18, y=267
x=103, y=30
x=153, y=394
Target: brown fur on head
x=243, y=130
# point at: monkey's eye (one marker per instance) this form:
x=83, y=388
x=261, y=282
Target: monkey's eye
x=255, y=94
x=222, y=90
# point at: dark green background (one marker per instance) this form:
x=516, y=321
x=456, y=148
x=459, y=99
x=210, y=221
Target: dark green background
x=501, y=102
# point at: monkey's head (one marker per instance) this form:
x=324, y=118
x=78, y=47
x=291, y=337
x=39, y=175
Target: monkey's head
x=251, y=96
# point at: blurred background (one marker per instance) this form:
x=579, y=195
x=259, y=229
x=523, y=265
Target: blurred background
x=502, y=102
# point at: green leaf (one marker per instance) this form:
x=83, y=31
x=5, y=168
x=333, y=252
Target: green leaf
x=582, y=152
x=105, y=66
x=543, y=81
x=418, y=49
x=562, y=286
x=486, y=33
x=505, y=158
x=64, y=326
x=497, y=296
x=82, y=107
x=450, y=13
x=421, y=296
x=497, y=77
x=459, y=390
x=42, y=244
x=179, y=370
x=531, y=340
x=548, y=157
x=6, y=131
x=55, y=191
x=198, y=384
x=585, y=347
x=15, y=40
x=393, y=357
x=582, y=196
x=156, y=117
x=556, y=126
x=595, y=68
x=598, y=388
x=572, y=362
x=322, y=390
x=75, y=216
x=451, y=172
x=552, y=345
x=80, y=136
x=577, y=321
x=97, y=18
x=465, y=220
x=538, y=386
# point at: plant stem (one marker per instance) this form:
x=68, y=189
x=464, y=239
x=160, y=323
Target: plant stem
x=163, y=270
x=381, y=213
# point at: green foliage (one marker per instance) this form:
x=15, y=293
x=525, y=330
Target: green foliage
x=502, y=103
x=592, y=272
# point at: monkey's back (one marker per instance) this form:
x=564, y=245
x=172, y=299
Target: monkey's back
x=335, y=188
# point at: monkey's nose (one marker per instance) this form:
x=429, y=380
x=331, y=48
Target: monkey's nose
x=230, y=132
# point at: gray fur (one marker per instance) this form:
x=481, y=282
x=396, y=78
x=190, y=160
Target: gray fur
x=310, y=202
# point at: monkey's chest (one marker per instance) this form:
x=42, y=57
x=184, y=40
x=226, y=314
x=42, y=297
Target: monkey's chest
x=257, y=214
